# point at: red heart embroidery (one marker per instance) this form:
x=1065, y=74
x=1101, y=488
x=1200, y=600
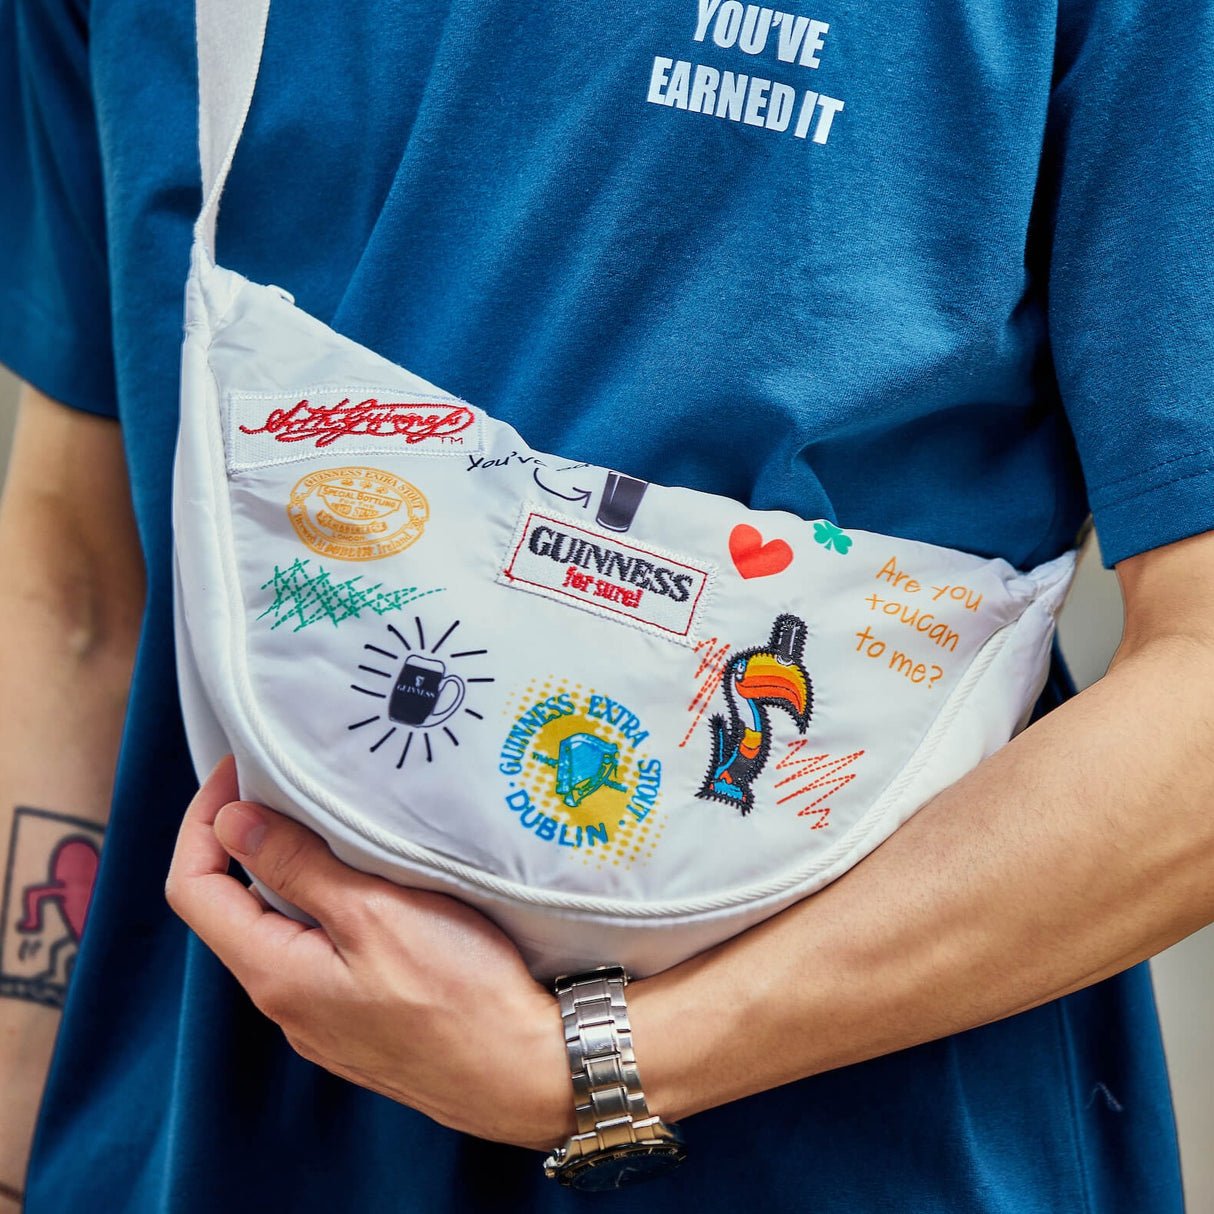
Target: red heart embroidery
x=752, y=557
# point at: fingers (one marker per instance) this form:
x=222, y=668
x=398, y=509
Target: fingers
x=231, y=920
x=199, y=857
x=293, y=862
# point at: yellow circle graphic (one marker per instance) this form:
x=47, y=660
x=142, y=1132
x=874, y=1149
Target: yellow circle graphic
x=578, y=780
x=357, y=514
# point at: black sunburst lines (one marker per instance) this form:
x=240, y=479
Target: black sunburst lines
x=423, y=691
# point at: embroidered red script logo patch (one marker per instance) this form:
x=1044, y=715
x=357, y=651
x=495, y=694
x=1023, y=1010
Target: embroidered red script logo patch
x=274, y=428
x=598, y=572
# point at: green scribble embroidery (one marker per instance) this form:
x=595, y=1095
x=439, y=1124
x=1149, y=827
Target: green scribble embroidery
x=303, y=598
x=830, y=535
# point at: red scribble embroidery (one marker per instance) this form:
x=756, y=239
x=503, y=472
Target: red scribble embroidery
x=713, y=660
x=829, y=777
x=413, y=422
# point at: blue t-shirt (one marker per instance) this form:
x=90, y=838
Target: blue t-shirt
x=930, y=269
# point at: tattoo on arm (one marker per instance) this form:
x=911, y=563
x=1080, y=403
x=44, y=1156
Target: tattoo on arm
x=48, y=883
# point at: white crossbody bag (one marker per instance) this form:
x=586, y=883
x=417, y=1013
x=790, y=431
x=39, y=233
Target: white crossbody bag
x=624, y=720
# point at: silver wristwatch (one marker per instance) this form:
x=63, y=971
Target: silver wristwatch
x=618, y=1141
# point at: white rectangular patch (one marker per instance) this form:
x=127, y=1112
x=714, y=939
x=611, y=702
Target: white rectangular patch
x=263, y=428
x=602, y=573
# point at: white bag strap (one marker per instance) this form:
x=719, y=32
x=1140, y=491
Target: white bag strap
x=230, y=38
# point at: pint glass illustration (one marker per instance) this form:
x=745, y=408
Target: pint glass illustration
x=621, y=498
x=425, y=694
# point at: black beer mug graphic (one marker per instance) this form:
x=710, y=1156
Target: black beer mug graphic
x=618, y=505
x=421, y=686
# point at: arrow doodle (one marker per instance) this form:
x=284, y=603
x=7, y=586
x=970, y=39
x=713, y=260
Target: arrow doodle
x=581, y=496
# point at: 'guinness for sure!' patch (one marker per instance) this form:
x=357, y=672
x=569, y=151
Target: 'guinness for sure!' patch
x=602, y=573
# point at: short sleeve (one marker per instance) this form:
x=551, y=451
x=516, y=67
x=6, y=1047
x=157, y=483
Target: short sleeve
x=54, y=286
x=1129, y=175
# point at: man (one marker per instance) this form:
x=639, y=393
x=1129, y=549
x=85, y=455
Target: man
x=586, y=222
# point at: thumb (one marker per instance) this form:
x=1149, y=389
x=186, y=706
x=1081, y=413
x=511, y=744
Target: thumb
x=291, y=860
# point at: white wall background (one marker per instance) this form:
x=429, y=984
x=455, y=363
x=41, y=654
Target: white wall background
x=1184, y=975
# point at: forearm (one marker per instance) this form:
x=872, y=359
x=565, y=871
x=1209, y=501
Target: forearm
x=1084, y=846
x=62, y=712
x=69, y=642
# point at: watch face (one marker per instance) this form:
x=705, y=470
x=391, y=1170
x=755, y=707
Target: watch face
x=623, y=1166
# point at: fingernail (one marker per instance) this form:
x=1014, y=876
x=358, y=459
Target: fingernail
x=240, y=828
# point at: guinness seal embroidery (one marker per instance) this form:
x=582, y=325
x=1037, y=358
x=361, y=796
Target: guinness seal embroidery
x=357, y=513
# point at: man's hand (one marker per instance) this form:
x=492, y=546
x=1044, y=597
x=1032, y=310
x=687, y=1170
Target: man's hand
x=411, y=994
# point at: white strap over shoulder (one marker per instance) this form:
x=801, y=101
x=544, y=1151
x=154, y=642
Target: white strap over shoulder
x=231, y=34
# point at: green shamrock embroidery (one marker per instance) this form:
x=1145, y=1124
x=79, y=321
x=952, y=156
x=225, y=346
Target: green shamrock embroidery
x=830, y=535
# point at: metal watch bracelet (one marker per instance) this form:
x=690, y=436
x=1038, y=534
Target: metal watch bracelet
x=613, y=1120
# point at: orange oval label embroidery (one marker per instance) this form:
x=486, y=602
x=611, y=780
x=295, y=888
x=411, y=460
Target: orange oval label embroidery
x=357, y=513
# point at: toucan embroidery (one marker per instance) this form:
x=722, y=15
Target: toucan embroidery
x=770, y=676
